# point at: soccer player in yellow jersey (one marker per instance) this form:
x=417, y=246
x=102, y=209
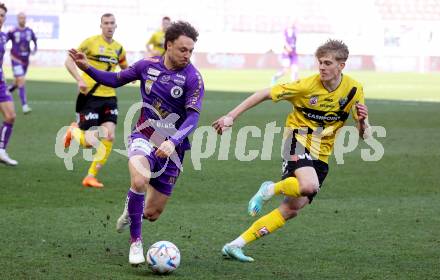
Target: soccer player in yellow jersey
x=155, y=45
x=96, y=104
x=321, y=105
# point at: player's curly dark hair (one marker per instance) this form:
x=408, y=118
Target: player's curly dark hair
x=179, y=28
x=337, y=47
x=3, y=6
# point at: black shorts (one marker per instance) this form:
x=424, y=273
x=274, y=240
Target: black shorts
x=295, y=155
x=96, y=110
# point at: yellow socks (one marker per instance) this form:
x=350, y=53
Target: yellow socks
x=288, y=186
x=263, y=226
x=79, y=136
x=100, y=157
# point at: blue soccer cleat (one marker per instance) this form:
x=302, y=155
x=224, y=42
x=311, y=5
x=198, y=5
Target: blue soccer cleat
x=257, y=201
x=235, y=253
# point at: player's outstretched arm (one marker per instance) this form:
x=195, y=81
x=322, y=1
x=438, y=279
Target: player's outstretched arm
x=227, y=120
x=362, y=121
x=110, y=79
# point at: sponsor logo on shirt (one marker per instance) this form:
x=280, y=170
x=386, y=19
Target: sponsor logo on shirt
x=165, y=79
x=151, y=78
x=91, y=116
x=153, y=72
x=176, y=91
x=179, y=79
x=111, y=111
x=313, y=100
x=108, y=59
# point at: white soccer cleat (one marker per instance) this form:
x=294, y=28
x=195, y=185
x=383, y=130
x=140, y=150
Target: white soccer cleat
x=26, y=109
x=4, y=158
x=123, y=221
x=136, y=255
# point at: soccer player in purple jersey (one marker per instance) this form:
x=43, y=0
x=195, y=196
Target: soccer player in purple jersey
x=6, y=101
x=289, y=57
x=21, y=37
x=172, y=90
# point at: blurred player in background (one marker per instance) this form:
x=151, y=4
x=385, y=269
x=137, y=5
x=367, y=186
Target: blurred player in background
x=21, y=37
x=289, y=57
x=96, y=104
x=155, y=45
x=322, y=104
x=6, y=100
x=172, y=91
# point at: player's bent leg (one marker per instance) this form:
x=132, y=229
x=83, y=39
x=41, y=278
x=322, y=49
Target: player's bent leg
x=8, y=112
x=263, y=226
x=21, y=83
x=139, y=169
x=105, y=145
x=156, y=202
x=138, y=165
x=291, y=206
x=308, y=180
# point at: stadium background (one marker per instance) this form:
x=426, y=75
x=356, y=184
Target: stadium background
x=388, y=35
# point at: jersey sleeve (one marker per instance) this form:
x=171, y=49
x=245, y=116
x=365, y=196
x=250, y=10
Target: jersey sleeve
x=195, y=92
x=84, y=47
x=360, y=98
x=122, y=60
x=286, y=91
x=153, y=39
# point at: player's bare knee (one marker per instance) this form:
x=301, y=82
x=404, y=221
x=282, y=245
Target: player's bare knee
x=309, y=187
x=139, y=183
x=10, y=117
x=152, y=214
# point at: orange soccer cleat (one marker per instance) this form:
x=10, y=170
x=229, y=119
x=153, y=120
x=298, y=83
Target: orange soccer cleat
x=92, y=182
x=68, y=136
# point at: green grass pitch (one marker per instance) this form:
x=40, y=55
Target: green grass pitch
x=372, y=220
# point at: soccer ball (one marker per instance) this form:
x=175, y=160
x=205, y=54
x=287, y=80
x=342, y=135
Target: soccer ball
x=163, y=257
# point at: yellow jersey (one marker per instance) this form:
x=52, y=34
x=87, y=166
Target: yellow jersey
x=103, y=56
x=158, y=41
x=318, y=113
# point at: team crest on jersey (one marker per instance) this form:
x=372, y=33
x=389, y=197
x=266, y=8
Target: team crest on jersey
x=176, y=91
x=148, y=86
x=313, y=100
x=101, y=49
x=153, y=72
x=342, y=101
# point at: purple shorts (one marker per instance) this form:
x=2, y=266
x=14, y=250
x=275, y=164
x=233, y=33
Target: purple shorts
x=19, y=69
x=289, y=59
x=164, y=171
x=5, y=96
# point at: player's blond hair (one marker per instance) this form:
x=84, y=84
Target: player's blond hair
x=336, y=47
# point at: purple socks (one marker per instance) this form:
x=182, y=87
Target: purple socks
x=22, y=93
x=5, y=134
x=135, y=205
